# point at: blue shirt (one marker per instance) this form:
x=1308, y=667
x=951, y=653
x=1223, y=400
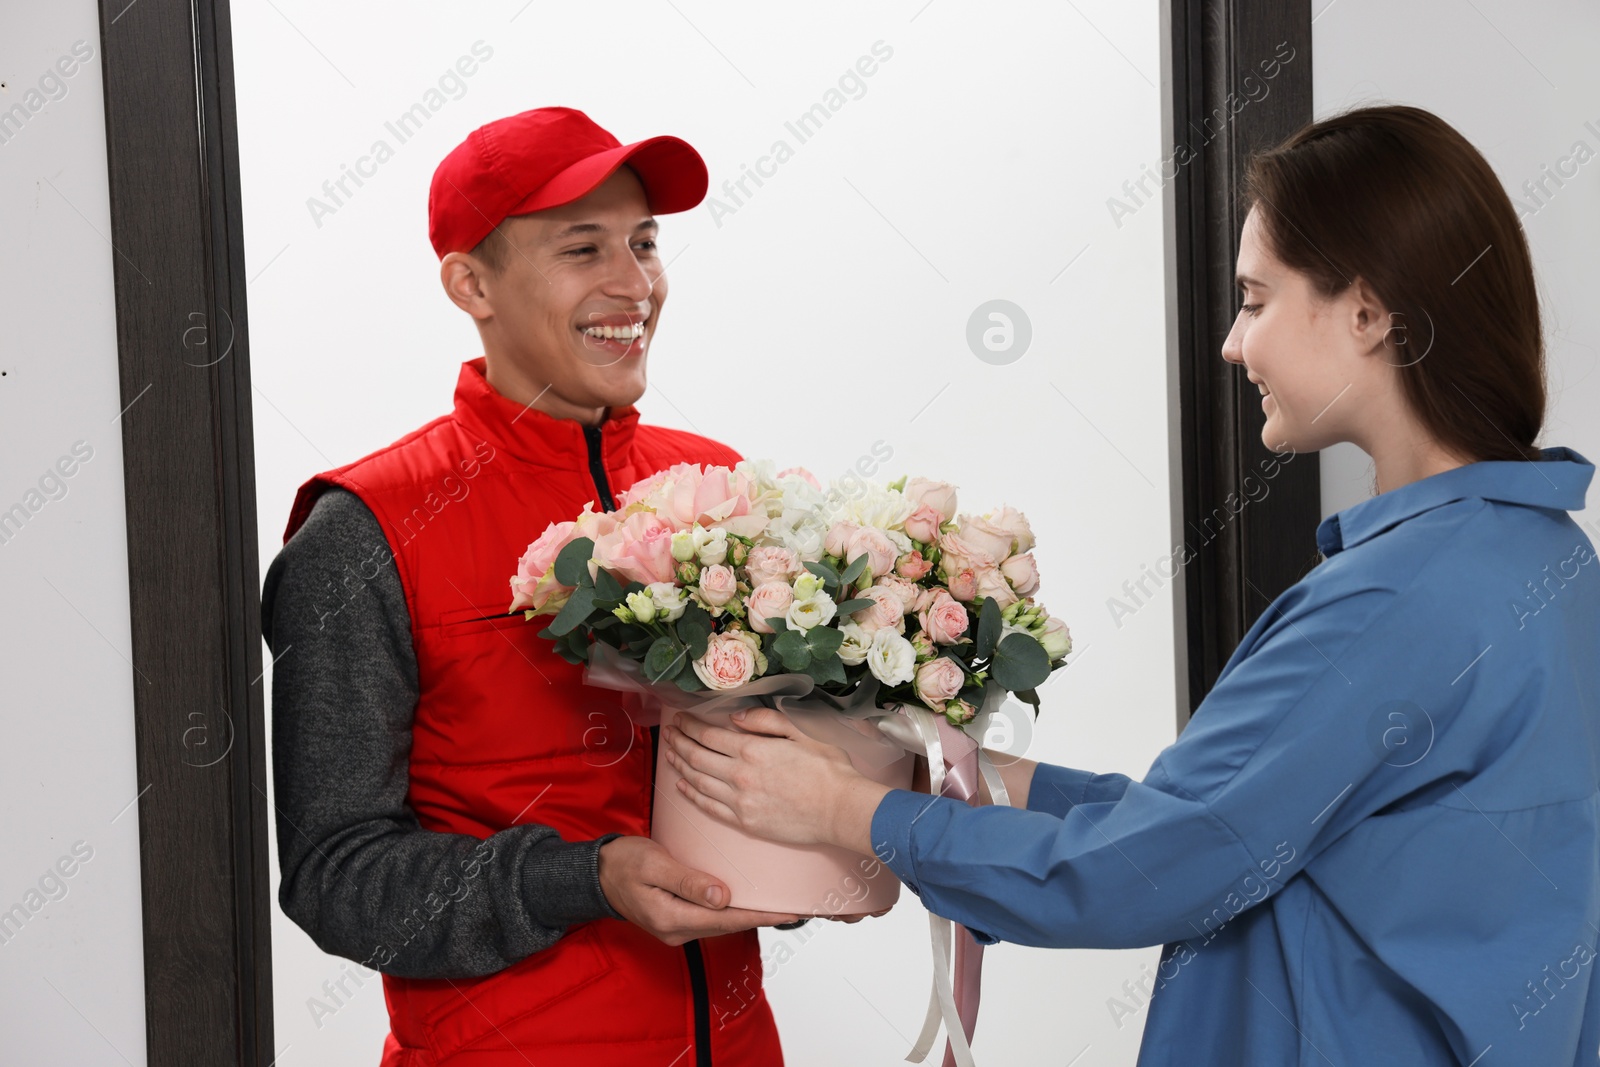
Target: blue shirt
x=1378, y=839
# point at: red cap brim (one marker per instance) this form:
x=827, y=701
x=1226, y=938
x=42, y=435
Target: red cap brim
x=672, y=172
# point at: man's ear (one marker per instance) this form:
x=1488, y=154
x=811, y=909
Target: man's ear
x=462, y=278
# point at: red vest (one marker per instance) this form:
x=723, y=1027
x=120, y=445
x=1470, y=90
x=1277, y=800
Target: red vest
x=505, y=732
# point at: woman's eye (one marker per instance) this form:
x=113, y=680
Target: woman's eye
x=1251, y=308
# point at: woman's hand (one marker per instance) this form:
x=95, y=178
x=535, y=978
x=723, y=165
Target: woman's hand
x=770, y=779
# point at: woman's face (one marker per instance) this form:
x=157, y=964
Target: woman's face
x=1307, y=354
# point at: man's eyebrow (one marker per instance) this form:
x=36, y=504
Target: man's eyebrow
x=580, y=228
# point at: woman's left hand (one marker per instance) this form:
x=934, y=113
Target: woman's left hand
x=766, y=777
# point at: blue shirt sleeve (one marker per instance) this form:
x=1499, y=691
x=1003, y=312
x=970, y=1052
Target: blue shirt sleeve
x=1293, y=746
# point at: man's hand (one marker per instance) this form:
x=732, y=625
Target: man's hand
x=673, y=902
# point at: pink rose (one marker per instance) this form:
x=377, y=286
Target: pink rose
x=772, y=563
x=723, y=499
x=639, y=550
x=940, y=496
x=912, y=566
x=534, y=584
x=800, y=472
x=925, y=598
x=908, y=592
x=838, y=538
x=770, y=600
x=937, y=680
x=1015, y=523
x=644, y=488
x=944, y=619
x=990, y=582
x=596, y=524
x=960, y=712
x=718, y=584
x=541, y=555
x=1022, y=573
x=879, y=550
x=729, y=661
x=963, y=584
x=885, y=612
x=957, y=553
x=984, y=536
x=923, y=524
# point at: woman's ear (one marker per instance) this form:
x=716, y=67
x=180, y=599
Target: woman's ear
x=1375, y=330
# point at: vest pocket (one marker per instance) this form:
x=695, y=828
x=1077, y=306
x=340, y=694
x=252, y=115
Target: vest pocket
x=484, y=617
x=465, y=1011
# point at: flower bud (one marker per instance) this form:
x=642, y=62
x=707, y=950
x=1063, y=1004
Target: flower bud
x=959, y=712
x=688, y=572
x=683, y=546
x=807, y=586
x=621, y=611
x=642, y=605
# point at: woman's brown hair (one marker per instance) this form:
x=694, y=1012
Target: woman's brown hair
x=1396, y=196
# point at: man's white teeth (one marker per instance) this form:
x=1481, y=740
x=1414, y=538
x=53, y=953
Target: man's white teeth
x=619, y=333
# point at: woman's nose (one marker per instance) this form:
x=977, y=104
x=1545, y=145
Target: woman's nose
x=1233, y=346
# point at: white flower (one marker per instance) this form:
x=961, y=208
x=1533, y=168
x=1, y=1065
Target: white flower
x=711, y=546
x=815, y=610
x=804, y=540
x=668, y=599
x=891, y=659
x=683, y=546
x=853, y=649
x=642, y=606
x=806, y=586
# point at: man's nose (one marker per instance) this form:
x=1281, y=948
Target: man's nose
x=630, y=279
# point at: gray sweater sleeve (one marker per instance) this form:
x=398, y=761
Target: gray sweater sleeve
x=360, y=875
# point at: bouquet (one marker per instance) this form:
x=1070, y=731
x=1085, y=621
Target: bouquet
x=712, y=577
x=855, y=605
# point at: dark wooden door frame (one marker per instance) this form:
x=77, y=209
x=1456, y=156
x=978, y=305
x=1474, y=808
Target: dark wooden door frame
x=194, y=582
x=1249, y=516
x=188, y=462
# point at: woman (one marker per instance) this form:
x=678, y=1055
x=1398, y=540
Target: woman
x=1378, y=840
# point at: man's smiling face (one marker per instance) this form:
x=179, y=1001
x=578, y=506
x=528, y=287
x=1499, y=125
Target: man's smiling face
x=568, y=318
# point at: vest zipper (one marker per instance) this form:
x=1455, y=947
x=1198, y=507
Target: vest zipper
x=702, y=1006
x=691, y=949
x=597, y=467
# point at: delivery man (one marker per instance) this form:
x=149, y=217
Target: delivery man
x=456, y=810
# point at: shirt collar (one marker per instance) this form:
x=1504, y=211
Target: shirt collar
x=533, y=435
x=1559, y=480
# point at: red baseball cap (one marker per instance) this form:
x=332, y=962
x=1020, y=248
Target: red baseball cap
x=545, y=158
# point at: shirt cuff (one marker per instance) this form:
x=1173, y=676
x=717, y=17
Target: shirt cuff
x=892, y=823
x=1057, y=790
x=561, y=883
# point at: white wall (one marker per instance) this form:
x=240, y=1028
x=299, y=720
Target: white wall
x=977, y=165
x=71, y=959
x=1520, y=82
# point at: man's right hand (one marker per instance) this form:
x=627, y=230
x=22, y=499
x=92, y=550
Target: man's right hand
x=673, y=902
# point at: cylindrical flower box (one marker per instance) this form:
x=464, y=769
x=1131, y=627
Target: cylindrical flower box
x=766, y=876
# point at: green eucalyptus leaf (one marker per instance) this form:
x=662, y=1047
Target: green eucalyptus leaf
x=606, y=587
x=988, y=627
x=577, y=610
x=854, y=604
x=662, y=660
x=688, y=680
x=791, y=646
x=854, y=569
x=1019, y=662
x=572, y=563
x=823, y=669
x=824, y=640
